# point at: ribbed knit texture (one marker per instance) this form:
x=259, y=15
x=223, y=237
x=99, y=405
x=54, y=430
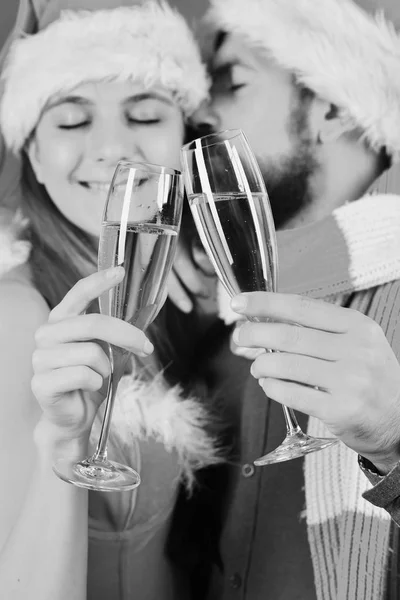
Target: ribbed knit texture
x=348, y=536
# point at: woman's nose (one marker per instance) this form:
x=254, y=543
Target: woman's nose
x=111, y=143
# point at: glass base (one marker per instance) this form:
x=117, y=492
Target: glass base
x=293, y=446
x=101, y=476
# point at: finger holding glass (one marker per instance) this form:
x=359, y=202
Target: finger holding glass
x=70, y=368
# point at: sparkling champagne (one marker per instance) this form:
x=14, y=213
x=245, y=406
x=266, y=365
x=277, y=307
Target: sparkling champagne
x=146, y=251
x=234, y=231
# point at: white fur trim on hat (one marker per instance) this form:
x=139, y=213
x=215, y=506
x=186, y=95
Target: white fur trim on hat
x=339, y=51
x=151, y=43
x=13, y=250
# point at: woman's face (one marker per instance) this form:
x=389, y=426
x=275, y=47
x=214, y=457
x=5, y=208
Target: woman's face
x=81, y=137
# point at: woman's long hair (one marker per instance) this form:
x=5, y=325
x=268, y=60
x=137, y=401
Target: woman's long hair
x=61, y=252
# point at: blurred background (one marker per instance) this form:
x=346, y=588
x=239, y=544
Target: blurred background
x=8, y=12
x=192, y=9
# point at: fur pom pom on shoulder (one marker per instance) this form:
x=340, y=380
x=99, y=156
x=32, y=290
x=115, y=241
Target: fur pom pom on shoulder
x=152, y=409
x=13, y=250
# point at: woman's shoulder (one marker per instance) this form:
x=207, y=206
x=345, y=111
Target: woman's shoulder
x=22, y=307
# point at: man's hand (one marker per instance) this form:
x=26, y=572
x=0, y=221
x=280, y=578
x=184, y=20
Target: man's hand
x=337, y=366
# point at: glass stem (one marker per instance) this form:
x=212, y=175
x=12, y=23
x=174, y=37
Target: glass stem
x=292, y=426
x=100, y=454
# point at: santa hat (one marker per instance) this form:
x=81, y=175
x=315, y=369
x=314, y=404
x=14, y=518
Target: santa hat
x=346, y=51
x=150, y=43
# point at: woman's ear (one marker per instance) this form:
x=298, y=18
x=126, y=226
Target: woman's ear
x=34, y=157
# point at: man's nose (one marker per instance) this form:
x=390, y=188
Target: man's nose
x=205, y=120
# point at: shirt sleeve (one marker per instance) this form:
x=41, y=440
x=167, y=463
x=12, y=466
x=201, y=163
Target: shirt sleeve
x=385, y=492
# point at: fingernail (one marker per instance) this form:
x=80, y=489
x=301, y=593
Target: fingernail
x=261, y=382
x=245, y=352
x=239, y=303
x=115, y=272
x=148, y=347
x=185, y=306
x=236, y=334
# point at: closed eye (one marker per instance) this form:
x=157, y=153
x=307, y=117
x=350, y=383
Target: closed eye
x=144, y=121
x=229, y=78
x=74, y=125
x=226, y=87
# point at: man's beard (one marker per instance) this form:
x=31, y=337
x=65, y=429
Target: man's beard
x=288, y=182
x=288, y=187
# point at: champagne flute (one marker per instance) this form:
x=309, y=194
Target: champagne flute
x=231, y=210
x=139, y=232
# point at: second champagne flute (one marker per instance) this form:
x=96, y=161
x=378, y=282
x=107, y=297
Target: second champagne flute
x=231, y=210
x=139, y=232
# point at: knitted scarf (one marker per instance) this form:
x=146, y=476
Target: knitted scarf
x=355, y=249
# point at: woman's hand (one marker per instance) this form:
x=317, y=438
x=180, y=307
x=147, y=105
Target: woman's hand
x=338, y=366
x=70, y=367
x=190, y=276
